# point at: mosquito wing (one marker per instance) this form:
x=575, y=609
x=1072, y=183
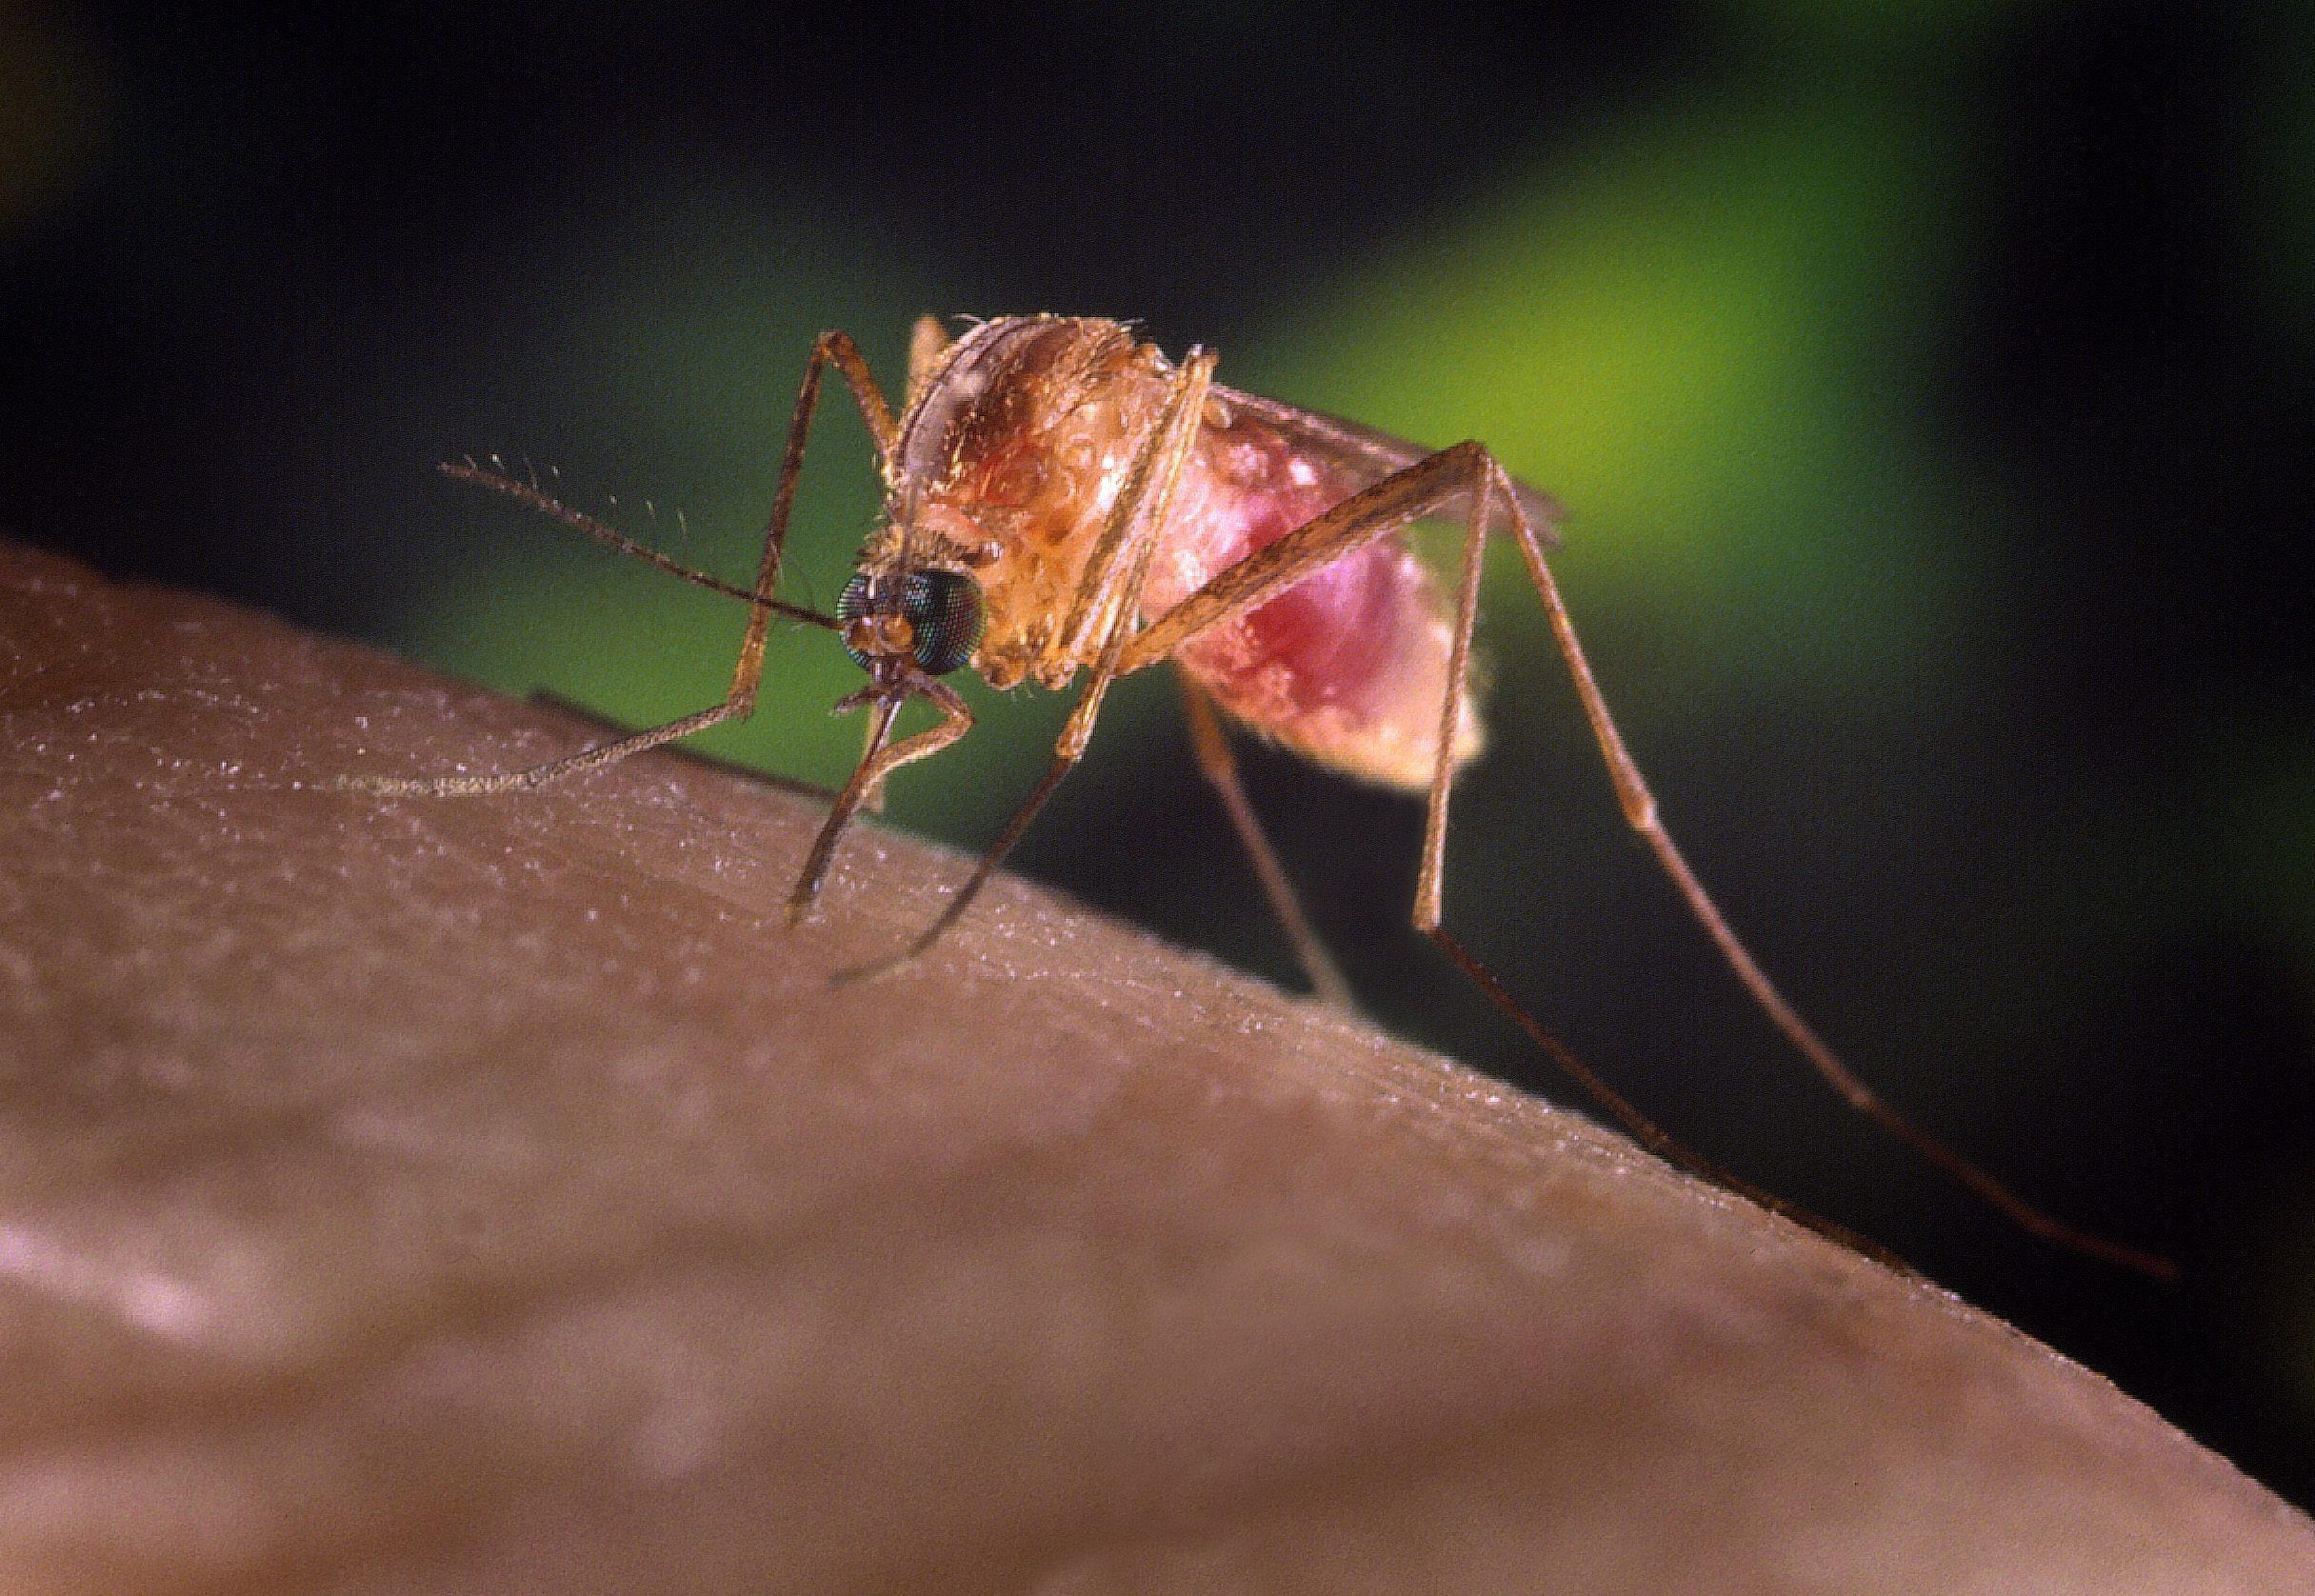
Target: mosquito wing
x=1370, y=455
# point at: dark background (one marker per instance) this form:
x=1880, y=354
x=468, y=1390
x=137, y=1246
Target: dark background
x=1927, y=383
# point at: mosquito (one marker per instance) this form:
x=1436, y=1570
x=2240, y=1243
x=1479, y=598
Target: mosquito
x=1061, y=497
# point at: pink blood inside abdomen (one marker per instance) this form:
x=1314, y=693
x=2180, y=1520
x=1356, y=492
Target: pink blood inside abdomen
x=1350, y=665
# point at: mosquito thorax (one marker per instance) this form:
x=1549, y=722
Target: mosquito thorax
x=932, y=616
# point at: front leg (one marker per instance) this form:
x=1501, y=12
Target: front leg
x=738, y=703
x=1112, y=593
x=1209, y=746
x=876, y=763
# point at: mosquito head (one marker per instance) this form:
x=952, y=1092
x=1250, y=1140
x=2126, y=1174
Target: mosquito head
x=929, y=618
x=905, y=627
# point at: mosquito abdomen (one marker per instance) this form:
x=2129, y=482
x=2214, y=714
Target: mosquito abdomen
x=1349, y=666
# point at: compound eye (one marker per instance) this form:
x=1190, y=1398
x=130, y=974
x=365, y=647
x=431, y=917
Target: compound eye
x=944, y=607
x=851, y=608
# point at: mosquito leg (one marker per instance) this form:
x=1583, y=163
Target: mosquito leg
x=1423, y=488
x=872, y=801
x=1219, y=765
x=1428, y=906
x=1139, y=511
x=1429, y=486
x=746, y=672
x=876, y=763
x=1640, y=810
x=1426, y=488
x=547, y=698
x=927, y=339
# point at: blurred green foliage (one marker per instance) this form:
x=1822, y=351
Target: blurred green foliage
x=1686, y=333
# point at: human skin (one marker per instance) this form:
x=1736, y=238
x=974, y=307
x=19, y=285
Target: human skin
x=427, y=1195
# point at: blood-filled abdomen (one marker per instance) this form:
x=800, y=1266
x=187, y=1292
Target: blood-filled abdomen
x=1350, y=666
